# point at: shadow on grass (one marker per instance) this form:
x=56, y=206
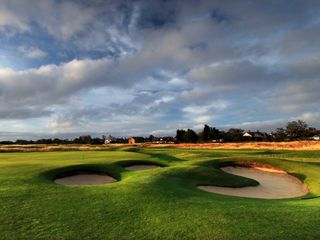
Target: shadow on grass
x=268, y=152
x=127, y=163
x=190, y=176
x=112, y=170
x=180, y=183
x=160, y=156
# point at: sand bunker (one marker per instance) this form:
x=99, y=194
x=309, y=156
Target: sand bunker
x=273, y=184
x=85, y=179
x=139, y=167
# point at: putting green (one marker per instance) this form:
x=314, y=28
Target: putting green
x=162, y=203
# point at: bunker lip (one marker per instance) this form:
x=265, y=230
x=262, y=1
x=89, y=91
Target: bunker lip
x=274, y=183
x=141, y=166
x=256, y=165
x=83, y=178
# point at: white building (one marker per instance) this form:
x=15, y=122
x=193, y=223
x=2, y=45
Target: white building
x=316, y=137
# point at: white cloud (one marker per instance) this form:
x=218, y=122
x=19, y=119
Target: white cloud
x=52, y=84
x=204, y=113
x=164, y=99
x=59, y=125
x=202, y=119
x=215, y=106
x=31, y=52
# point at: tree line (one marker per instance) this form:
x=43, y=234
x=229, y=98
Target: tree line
x=294, y=130
x=88, y=139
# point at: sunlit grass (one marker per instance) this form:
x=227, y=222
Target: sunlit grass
x=160, y=203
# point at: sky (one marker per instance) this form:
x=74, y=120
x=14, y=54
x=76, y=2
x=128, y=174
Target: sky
x=149, y=67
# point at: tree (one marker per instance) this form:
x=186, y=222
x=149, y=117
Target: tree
x=209, y=133
x=192, y=137
x=235, y=134
x=151, y=138
x=97, y=141
x=312, y=132
x=85, y=139
x=297, y=129
x=104, y=138
x=205, y=135
x=280, y=134
x=186, y=136
x=181, y=136
x=215, y=133
x=236, y=131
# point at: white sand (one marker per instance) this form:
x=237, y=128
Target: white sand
x=85, y=179
x=274, y=184
x=139, y=167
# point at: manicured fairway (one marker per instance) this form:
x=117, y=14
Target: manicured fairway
x=159, y=203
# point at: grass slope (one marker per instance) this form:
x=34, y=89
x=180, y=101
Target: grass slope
x=161, y=203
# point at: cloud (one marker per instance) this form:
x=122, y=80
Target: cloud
x=31, y=52
x=9, y=19
x=22, y=113
x=48, y=85
x=313, y=119
x=153, y=66
x=234, y=74
x=297, y=96
x=204, y=113
x=98, y=26
x=59, y=125
x=60, y=19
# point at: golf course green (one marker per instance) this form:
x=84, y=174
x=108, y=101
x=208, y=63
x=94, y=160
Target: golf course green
x=156, y=203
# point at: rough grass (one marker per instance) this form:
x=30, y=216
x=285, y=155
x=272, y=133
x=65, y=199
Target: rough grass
x=292, y=145
x=161, y=203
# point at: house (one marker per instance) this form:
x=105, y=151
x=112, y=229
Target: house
x=255, y=136
x=131, y=140
x=109, y=139
x=247, y=134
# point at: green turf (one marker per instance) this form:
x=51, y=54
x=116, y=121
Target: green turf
x=161, y=203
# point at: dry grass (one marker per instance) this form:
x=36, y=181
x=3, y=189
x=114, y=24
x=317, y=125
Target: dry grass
x=48, y=148
x=294, y=145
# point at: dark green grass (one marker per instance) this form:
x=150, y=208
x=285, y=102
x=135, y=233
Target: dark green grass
x=161, y=203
